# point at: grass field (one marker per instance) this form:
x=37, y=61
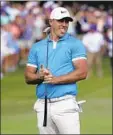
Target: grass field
x=17, y=100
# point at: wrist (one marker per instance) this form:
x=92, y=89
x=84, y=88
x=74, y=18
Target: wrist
x=55, y=80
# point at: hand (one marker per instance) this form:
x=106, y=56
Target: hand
x=42, y=72
x=48, y=78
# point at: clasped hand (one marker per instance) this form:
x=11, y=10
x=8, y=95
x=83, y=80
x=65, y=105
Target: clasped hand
x=46, y=75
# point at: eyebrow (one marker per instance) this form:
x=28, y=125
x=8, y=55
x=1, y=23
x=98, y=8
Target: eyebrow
x=64, y=19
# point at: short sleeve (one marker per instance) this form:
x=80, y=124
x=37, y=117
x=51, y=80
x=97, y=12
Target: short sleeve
x=32, y=57
x=78, y=51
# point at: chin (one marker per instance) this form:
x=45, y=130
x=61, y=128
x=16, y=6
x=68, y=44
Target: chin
x=61, y=34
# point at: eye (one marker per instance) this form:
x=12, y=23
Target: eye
x=66, y=20
x=61, y=20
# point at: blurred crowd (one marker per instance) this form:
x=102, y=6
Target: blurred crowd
x=22, y=24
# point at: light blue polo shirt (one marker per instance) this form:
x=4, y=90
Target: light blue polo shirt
x=60, y=58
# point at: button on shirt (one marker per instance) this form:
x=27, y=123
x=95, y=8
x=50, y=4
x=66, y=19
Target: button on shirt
x=60, y=57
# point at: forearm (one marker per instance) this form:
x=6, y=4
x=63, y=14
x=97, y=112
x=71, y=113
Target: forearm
x=33, y=78
x=72, y=77
x=78, y=74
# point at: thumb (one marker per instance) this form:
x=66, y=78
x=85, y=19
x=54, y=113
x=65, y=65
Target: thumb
x=46, y=71
x=42, y=66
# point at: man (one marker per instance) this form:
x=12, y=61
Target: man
x=94, y=43
x=109, y=41
x=67, y=64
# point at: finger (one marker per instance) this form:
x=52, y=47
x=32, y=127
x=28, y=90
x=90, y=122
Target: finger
x=46, y=71
x=48, y=77
x=42, y=66
x=46, y=82
x=41, y=73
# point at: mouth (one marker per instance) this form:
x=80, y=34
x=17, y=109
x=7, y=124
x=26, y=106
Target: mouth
x=63, y=30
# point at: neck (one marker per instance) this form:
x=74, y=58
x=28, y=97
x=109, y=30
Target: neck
x=53, y=36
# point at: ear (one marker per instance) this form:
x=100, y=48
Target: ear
x=50, y=22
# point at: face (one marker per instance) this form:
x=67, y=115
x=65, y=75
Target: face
x=59, y=27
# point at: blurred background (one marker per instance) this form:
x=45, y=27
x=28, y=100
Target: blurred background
x=22, y=24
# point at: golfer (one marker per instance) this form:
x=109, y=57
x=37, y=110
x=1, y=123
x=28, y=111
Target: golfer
x=56, y=64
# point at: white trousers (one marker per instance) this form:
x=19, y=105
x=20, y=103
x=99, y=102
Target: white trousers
x=62, y=117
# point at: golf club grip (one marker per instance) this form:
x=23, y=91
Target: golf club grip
x=45, y=112
x=45, y=104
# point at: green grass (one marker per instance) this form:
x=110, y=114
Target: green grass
x=17, y=100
